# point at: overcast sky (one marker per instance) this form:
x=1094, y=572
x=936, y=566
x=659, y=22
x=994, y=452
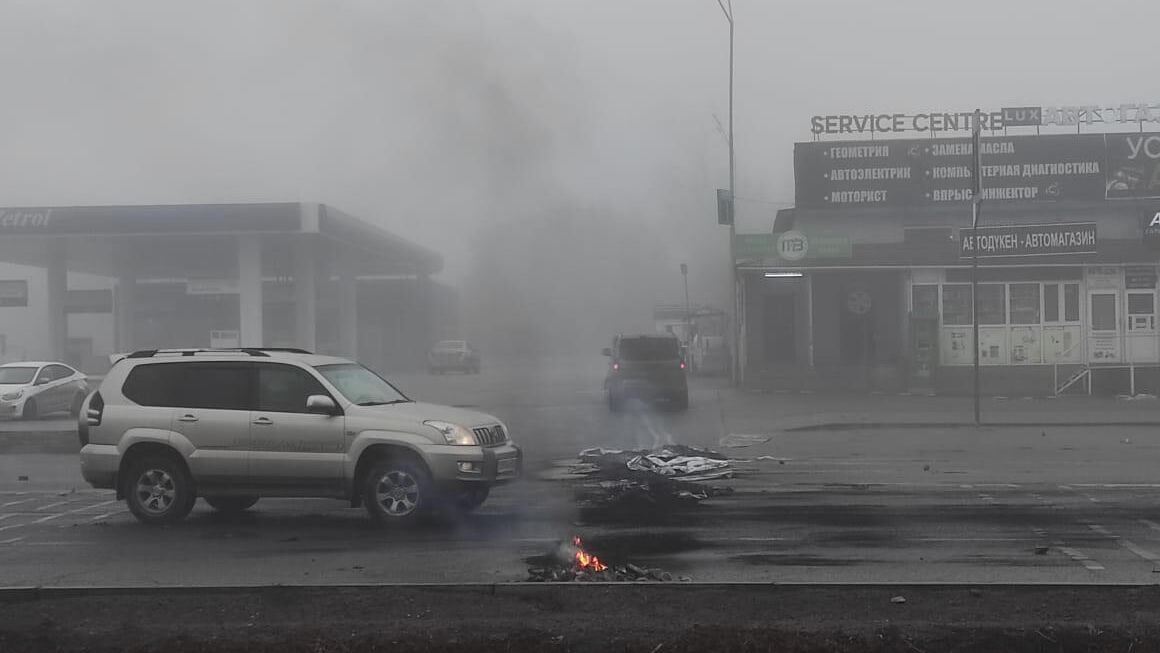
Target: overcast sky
x=433, y=118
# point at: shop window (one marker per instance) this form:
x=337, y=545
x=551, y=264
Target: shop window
x=1051, y=302
x=1071, y=302
x=924, y=301
x=992, y=307
x=956, y=305
x=1024, y=303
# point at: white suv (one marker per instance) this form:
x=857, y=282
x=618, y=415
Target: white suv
x=230, y=426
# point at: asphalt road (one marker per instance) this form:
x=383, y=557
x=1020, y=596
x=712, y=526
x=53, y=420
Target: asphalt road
x=990, y=505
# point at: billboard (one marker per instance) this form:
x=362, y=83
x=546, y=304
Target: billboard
x=938, y=171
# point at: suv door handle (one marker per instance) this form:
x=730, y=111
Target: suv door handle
x=187, y=418
x=263, y=421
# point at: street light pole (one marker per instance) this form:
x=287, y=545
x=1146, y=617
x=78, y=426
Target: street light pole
x=688, y=311
x=727, y=9
x=976, y=207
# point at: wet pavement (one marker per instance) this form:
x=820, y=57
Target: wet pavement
x=991, y=505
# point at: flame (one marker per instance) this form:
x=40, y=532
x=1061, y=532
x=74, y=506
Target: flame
x=586, y=560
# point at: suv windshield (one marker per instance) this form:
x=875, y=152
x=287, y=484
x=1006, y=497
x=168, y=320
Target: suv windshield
x=360, y=385
x=649, y=349
x=13, y=375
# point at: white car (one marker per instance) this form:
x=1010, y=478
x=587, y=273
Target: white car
x=31, y=389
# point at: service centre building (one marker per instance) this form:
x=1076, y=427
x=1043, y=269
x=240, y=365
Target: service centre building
x=866, y=283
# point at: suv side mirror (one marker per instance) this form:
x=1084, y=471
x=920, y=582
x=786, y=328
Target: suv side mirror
x=607, y=351
x=321, y=404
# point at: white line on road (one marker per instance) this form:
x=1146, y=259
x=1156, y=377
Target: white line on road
x=1150, y=524
x=7, y=516
x=13, y=540
x=52, y=505
x=1083, y=559
x=14, y=503
x=1127, y=544
x=104, y=516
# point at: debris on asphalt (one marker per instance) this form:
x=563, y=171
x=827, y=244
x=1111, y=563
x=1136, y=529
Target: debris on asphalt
x=898, y=599
x=571, y=562
x=671, y=475
x=739, y=440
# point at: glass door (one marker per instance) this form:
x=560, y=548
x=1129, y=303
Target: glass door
x=1104, y=324
x=1141, y=337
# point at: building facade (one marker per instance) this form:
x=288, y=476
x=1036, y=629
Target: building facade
x=866, y=283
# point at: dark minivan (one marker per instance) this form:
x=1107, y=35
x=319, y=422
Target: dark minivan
x=647, y=367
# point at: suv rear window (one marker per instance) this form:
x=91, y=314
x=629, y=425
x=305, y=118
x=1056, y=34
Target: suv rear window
x=649, y=349
x=225, y=386
x=152, y=385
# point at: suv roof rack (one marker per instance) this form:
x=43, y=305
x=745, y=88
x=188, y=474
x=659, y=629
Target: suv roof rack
x=252, y=351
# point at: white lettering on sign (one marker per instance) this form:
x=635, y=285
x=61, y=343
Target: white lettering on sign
x=950, y=172
x=856, y=196
x=1155, y=220
x=24, y=218
x=1149, y=147
x=868, y=174
x=1060, y=169
x=966, y=149
x=859, y=152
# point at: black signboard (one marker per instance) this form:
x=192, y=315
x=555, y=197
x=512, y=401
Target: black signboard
x=939, y=171
x=1133, y=166
x=1030, y=240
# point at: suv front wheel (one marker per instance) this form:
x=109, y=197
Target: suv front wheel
x=397, y=491
x=159, y=490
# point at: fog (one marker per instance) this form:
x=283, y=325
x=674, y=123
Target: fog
x=562, y=156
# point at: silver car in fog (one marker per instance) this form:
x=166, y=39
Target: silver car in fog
x=30, y=389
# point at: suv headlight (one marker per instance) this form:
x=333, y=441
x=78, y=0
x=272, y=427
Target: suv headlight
x=12, y=396
x=453, y=433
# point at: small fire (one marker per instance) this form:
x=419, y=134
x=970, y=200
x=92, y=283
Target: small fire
x=586, y=560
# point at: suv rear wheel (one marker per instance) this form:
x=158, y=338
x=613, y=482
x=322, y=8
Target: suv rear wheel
x=397, y=491
x=158, y=490
x=231, y=505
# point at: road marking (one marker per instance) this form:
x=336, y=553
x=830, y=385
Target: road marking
x=15, y=503
x=104, y=516
x=7, y=516
x=67, y=512
x=52, y=505
x=1139, y=550
x=13, y=540
x=1127, y=544
x=1083, y=559
x=1150, y=524
x=1066, y=487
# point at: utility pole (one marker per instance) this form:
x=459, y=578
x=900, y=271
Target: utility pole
x=727, y=9
x=976, y=208
x=688, y=312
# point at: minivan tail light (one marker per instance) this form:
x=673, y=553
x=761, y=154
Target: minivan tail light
x=615, y=367
x=682, y=365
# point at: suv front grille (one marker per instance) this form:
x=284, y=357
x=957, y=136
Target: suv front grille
x=490, y=436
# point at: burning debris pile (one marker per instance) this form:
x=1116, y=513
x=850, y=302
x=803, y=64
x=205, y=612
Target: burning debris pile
x=674, y=475
x=571, y=562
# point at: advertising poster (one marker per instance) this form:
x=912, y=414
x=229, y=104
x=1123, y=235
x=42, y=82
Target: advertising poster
x=1026, y=345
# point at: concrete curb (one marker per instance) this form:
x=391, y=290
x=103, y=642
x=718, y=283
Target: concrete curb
x=856, y=426
x=34, y=593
